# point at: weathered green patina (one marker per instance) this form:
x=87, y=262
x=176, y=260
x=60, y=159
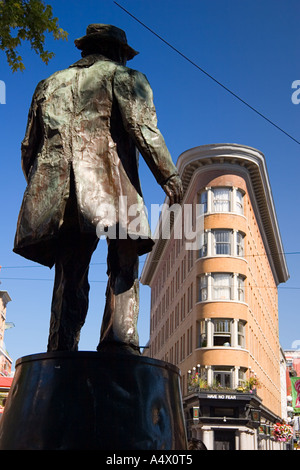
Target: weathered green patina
x=86, y=127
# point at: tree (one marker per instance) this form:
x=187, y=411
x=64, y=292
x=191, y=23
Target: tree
x=26, y=20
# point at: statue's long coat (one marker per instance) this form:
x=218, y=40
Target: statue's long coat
x=86, y=123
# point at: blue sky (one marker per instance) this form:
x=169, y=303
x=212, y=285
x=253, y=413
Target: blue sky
x=251, y=47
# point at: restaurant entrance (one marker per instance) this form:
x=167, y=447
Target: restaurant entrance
x=224, y=439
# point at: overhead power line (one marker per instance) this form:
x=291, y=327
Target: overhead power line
x=258, y=255
x=33, y=279
x=208, y=75
x=39, y=266
x=105, y=280
x=286, y=253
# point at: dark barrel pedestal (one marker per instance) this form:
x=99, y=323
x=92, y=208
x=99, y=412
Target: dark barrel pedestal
x=93, y=401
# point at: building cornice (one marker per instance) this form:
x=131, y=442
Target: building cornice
x=253, y=163
x=4, y=295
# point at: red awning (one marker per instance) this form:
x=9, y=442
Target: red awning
x=5, y=382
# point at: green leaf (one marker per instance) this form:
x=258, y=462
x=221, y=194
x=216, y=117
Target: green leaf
x=27, y=20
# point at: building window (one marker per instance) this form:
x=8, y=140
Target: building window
x=221, y=242
x=222, y=332
x=182, y=308
x=177, y=316
x=190, y=340
x=240, y=244
x=203, y=203
x=241, y=288
x=222, y=245
x=190, y=259
x=171, y=355
x=167, y=329
x=176, y=353
x=190, y=298
x=203, y=288
x=203, y=245
x=221, y=286
x=222, y=376
x=171, y=323
x=221, y=199
x=239, y=207
x=201, y=341
x=241, y=377
x=182, y=348
x=241, y=334
x=177, y=279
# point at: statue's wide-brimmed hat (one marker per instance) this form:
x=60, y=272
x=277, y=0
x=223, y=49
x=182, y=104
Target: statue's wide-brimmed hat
x=96, y=33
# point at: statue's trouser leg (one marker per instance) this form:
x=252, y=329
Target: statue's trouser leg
x=71, y=289
x=120, y=317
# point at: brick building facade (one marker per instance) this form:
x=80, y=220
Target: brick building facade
x=214, y=308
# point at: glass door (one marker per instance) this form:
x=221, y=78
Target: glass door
x=223, y=378
x=224, y=440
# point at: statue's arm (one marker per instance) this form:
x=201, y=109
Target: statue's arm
x=32, y=138
x=135, y=99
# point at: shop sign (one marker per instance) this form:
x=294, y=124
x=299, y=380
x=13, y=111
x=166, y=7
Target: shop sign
x=195, y=412
x=220, y=396
x=295, y=382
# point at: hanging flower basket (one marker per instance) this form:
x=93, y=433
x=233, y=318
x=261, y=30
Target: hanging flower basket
x=197, y=381
x=282, y=432
x=253, y=383
x=194, y=380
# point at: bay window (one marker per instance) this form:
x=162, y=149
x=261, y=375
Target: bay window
x=203, y=245
x=221, y=333
x=241, y=334
x=228, y=377
x=201, y=341
x=223, y=376
x=221, y=242
x=203, y=202
x=240, y=288
x=203, y=288
x=221, y=199
x=221, y=286
x=239, y=208
x=241, y=377
x=240, y=244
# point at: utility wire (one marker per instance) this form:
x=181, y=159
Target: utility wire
x=38, y=266
x=51, y=280
x=31, y=279
x=207, y=74
x=286, y=253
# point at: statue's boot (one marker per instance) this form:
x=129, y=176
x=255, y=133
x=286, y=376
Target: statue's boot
x=119, y=325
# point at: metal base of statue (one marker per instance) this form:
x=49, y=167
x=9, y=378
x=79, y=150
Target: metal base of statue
x=93, y=401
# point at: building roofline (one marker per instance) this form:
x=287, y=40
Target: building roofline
x=251, y=160
x=5, y=296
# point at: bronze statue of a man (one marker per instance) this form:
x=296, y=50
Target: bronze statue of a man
x=85, y=128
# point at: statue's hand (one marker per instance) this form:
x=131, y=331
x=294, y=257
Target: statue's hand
x=173, y=188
